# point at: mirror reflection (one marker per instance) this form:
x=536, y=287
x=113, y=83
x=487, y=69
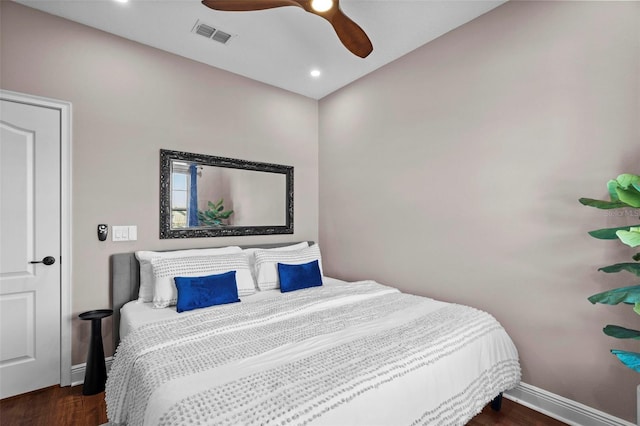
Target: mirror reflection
x=205, y=196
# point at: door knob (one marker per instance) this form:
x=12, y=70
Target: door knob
x=49, y=260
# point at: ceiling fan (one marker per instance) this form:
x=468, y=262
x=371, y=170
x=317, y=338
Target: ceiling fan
x=350, y=34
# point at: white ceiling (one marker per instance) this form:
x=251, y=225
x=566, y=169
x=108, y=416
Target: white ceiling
x=278, y=46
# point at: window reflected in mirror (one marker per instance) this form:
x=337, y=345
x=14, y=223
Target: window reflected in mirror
x=179, y=194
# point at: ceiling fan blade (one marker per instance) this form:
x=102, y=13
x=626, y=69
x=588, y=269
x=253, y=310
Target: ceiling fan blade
x=351, y=35
x=247, y=5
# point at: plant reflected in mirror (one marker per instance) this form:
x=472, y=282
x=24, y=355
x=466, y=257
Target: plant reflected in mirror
x=215, y=215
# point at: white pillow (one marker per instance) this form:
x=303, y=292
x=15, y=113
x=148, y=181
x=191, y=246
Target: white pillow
x=145, y=294
x=252, y=259
x=267, y=264
x=165, y=270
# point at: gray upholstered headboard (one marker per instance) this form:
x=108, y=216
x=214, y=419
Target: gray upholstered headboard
x=125, y=282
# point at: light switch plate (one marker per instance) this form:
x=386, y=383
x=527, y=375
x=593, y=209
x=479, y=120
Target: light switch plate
x=119, y=233
x=124, y=233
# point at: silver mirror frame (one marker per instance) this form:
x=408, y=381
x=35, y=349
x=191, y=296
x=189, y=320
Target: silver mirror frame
x=166, y=232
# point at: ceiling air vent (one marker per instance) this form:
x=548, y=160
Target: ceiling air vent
x=221, y=37
x=210, y=32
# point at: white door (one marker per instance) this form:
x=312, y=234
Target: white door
x=30, y=146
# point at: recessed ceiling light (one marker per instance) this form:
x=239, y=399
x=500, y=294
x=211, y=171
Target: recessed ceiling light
x=315, y=73
x=121, y=1
x=321, y=5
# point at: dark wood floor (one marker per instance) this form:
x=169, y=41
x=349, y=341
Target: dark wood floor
x=512, y=414
x=56, y=406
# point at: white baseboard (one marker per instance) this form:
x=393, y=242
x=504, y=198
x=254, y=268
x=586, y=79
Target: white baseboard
x=77, y=371
x=570, y=412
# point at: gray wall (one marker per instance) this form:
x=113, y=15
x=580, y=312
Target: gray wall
x=129, y=101
x=457, y=174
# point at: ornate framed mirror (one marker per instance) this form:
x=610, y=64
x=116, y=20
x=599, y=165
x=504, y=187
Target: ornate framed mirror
x=206, y=196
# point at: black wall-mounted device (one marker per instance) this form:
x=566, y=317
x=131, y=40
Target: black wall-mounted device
x=103, y=230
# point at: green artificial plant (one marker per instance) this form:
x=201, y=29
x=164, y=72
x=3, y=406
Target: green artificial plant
x=214, y=215
x=624, y=192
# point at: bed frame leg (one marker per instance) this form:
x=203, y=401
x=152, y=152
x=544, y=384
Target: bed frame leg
x=496, y=403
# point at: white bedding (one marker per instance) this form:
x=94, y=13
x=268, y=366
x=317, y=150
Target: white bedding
x=135, y=314
x=341, y=354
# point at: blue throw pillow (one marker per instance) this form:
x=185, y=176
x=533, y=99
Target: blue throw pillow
x=297, y=277
x=201, y=292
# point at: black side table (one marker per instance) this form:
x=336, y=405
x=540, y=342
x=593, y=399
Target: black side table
x=95, y=375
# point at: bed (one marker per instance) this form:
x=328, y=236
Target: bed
x=329, y=353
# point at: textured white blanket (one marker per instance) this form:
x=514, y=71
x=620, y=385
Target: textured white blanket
x=359, y=353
